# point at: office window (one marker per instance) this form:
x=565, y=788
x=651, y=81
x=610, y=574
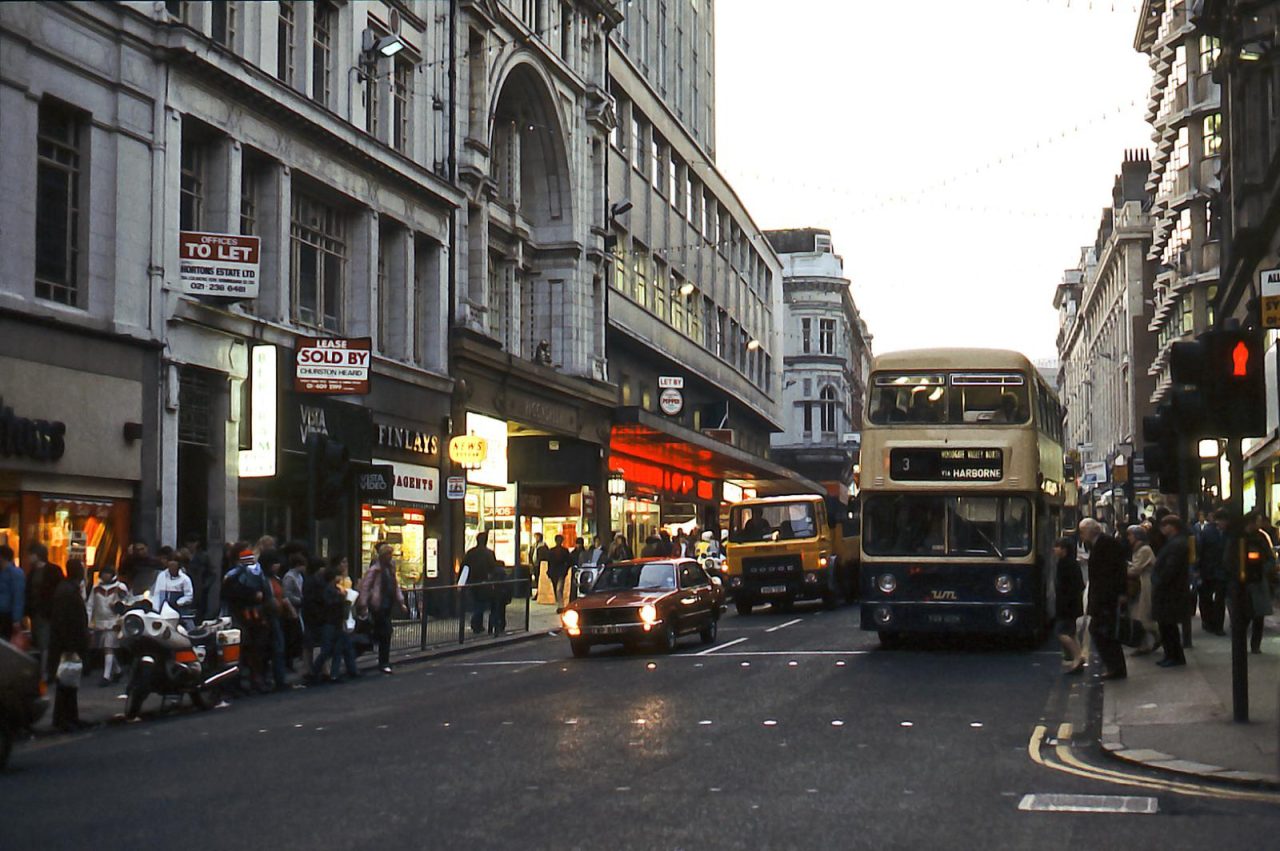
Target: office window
x=688, y=196
x=323, y=34
x=808, y=387
x=58, y=233
x=805, y=330
x=827, y=404
x=722, y=333
x=635, y=142
x=1212, y=134
x=807, y=407
x=285, y=25
x=192, y=184
x=827, y=336
x=319, y=263
x=640, y=270
x=248, y=198
x=677, y=306
x=655, y=161
x=1210, y=50
x=620, y=274
x=661, y=290
x=402, y=98
x=673, y=166
x=223, y=14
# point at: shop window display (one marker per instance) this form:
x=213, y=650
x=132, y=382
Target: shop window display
x=95, y=531
x=405, y=530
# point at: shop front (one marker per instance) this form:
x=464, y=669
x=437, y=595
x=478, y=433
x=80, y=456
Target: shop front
x=663, y=476
x=405, y=511
x=72, y=446
x=541, y=438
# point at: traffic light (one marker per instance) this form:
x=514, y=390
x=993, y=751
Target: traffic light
x=1236, y=378
x=1220, y=387
x=1164, y=454
x=327, y=474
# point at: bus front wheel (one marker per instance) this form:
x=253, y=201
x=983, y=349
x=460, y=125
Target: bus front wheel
x=889, y=640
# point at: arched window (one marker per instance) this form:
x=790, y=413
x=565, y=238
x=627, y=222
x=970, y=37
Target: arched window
x=827, y=407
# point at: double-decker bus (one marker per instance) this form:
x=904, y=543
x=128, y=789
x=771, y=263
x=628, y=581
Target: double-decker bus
x=962, y=493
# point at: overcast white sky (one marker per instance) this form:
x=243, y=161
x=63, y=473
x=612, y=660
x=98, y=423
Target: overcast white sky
x=827, y=109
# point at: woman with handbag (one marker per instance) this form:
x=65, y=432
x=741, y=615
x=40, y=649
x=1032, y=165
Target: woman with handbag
x=103, y=620
x=1139, y=590
x=68, y=646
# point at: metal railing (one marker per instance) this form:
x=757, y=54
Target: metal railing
x=439, y=615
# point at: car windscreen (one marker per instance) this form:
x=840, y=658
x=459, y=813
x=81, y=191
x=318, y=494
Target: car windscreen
x=774, y=521
x=631, y=577
x=927, y=525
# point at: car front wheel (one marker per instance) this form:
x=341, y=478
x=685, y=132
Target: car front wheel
x=708, y=634
x=580, y=649
x=669, y=638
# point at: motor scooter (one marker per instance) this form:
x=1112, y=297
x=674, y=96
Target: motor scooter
x=22, y=698
x=172, y=659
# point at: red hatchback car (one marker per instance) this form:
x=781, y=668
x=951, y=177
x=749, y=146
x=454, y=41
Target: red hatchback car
x=654, y=600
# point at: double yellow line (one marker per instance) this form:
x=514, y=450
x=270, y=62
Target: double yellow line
x=1061, y=758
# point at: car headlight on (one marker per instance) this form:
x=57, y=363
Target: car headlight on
x=888, y=583
x=570, y=618
x=133, y=626
x=648, y=614
x=1004, y=583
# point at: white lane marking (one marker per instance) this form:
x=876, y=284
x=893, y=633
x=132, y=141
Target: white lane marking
x=1053, y=803
x=792, y=622
x=776, y=652
x=517, y=662
x=718, y=647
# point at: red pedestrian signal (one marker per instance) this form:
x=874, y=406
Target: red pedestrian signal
x=1240, y=360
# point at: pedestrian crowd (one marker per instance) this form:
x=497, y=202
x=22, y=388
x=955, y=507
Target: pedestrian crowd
x=1145, y=585
x=292, y=609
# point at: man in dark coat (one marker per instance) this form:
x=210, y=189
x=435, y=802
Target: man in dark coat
x=1211, y=546
x=69, y=633
x=558, y=561
x=482, y=568
x=1107, y=572
x=1169, y=590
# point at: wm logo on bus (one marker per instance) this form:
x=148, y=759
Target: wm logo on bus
x=942, y=595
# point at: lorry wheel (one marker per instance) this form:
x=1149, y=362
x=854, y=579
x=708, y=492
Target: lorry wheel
x=830, y=599
x=743, y=607
x=581, y=649
x=889, y=640
x=6, y=745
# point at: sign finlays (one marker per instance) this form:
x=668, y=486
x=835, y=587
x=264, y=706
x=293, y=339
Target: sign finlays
x=218, y=264
x=411, y=440
x=332, y=366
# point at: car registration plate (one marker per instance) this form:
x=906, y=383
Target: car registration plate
x=774, y=589
x=612, y=629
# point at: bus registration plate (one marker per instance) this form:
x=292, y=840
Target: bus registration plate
x=774, y=589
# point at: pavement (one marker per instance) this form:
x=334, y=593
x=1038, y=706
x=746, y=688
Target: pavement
x=1180, y=720
x=102, y=704
x=794, y=730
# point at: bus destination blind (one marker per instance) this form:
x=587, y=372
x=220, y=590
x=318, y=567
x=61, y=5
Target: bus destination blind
x=946, y=465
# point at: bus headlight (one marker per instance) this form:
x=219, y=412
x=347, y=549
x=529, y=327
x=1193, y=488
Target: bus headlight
x=888, y=583
x=1007, y=616
x=1004, y=583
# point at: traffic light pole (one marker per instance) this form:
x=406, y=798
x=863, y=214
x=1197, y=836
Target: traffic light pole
x=1239, y=623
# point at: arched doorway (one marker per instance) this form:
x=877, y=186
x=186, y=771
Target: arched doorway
x=533, y=251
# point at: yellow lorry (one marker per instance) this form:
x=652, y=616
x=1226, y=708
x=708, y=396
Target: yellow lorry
x=787, y=548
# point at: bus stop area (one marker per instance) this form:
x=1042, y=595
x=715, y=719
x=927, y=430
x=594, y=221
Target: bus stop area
x=1179, y=720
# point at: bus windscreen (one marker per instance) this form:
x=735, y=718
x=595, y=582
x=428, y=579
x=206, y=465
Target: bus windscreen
x=935, y=525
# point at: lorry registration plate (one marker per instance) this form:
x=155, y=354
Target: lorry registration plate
x=774, y=589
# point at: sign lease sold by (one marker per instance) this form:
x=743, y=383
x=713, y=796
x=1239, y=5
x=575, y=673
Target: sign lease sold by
x=332, y=366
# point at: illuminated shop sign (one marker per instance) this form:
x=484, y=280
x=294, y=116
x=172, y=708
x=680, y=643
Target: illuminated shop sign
x=469, y=450
x=260, y=459
x=662, y=480
x=38, y=440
